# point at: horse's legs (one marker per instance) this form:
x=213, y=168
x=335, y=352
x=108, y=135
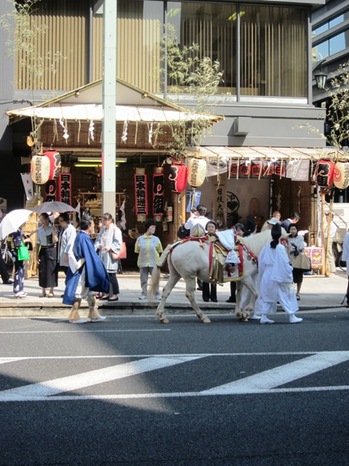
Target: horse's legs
x=172, y=281
x=238, y=299
x=190, y=294
x=250, y=285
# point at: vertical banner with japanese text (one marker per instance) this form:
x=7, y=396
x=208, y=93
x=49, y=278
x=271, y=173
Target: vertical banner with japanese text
x=158, y=193
x=141, y=194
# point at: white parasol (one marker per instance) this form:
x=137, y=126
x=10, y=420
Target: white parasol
x=13, y=220
x=53, y=206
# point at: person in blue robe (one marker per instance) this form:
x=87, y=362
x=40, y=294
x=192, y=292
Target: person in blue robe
x=86, y=276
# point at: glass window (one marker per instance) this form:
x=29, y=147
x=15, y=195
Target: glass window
x=339, y=43
x=320, y=30
x=213, y=27
x=273, y=51
x=336, y=21
x=331, y=46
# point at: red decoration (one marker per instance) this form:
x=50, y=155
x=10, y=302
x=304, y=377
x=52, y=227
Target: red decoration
x=233, y=169
x=51, y=191
x=178, y=177
x=257, y=169
x=324, y=172
x=55, y=163
x=158, y=193
x=64, y=193
x=268, y=169
x=280, y=169
x=245, y=170
x=141, y=194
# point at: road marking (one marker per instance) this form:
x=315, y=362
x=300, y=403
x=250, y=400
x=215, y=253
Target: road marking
x=84, y=331
x=87, y=379
x=281, y=375
x=8, y=360
x=265, y=382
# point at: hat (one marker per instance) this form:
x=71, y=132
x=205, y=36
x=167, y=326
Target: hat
x=273, y=221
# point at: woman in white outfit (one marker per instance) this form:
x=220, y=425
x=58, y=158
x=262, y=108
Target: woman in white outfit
x=108, y=242
x=345, y=258
x=276, y=281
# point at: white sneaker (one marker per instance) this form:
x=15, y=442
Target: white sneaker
x=294, y=319
x=20, y=294
x=265, y=320
x=98, y=319
x=142, y=298
x=80, y=321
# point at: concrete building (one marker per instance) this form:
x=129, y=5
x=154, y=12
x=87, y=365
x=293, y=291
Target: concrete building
x=266, y=97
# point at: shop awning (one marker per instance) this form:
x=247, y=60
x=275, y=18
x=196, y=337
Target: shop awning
x=133, y=105
x=94, y=112
x=273, y=153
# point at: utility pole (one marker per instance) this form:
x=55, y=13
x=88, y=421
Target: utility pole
x=109, y=106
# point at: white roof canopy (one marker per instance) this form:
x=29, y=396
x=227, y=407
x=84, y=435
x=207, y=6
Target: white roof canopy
x=94, y=112
x=133, y=105
x=273, y=153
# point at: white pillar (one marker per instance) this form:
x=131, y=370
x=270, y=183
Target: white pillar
x=109, y=104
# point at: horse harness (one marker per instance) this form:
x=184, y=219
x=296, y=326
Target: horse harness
x=219, y=271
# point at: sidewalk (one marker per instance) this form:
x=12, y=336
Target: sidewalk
x=317, y=292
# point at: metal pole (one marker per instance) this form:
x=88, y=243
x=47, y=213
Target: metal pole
x=109, y=105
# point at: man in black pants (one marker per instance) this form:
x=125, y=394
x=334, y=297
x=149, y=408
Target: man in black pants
x=3, y=270
x=4, y=273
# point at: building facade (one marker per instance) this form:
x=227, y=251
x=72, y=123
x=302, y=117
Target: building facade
x=264, y=50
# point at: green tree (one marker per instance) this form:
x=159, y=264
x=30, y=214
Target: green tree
x=22, y=45
x=188, y=74
x=338, y=108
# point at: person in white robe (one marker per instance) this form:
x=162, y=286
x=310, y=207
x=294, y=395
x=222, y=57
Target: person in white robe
x=276, y=281
x=345, y=258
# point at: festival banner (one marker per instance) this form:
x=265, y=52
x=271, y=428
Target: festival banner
x=158, y=193
x=65, y=188
x=141, y=194
x=28, y=186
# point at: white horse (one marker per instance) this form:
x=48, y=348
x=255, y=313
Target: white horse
x=190, y=260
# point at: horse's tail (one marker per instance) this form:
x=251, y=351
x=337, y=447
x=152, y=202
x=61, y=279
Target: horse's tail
x=155, y=280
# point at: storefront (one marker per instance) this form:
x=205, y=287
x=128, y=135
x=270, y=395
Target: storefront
x=235, y=183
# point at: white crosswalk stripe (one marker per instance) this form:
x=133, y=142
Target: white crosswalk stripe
x=86, y=379
x=268, y=381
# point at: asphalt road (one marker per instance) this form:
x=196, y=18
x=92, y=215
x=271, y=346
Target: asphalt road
x=131, y=391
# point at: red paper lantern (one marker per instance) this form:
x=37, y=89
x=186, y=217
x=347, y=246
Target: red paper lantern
x=245, y=170
x=257, y=169
x=40, y=169
x=158, y=193
x=280, y=169
x=233, y=169
x=141, y=194
x=55, y=163
x=178, y=177
x=324, y=172
x=268, y=168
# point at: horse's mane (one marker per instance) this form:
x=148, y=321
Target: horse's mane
x=257, y=241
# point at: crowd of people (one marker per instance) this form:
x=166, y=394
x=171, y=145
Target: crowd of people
x=91, y=267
